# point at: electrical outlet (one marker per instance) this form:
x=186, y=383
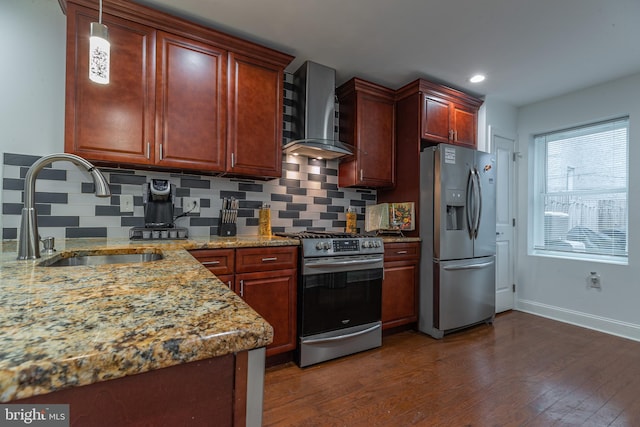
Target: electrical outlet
x=190, y=205
x=593, y=280
x=126, y=203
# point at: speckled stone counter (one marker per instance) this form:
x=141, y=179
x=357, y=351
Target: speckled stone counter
x=64, y=327
x=399, y=239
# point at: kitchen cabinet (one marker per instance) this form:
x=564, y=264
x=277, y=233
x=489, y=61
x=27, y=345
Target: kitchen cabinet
x=255, y=124
x=114, y=122
x=400, y=284
x=446, y=115
x=190, y=97
x=220, y=262
x=181, y=96
x=367, y=122
x=266, y=278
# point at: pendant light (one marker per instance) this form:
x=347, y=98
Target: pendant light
x=99, y=51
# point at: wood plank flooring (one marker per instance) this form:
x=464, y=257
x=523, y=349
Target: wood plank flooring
x=524, y=370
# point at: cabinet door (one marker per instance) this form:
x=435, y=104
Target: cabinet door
x=465, y=125
x=435, y=119
x=399, y=294
x=255, y=117
x=272, y=295
x=113, y=122
x=376, y=139
x=191, y=106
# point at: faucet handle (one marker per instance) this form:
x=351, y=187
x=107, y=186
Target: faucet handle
x=49, y=243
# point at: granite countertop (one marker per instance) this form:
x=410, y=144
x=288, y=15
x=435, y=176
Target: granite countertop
x=63, y=327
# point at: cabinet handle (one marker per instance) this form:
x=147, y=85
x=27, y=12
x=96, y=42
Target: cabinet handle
x=148, y=150
x=451, y=134
x=361, y=174
x=242, y=288
x=270, y=259
x=229, y=284
x=401, y=252
x=161, y=156
x=211, y=263
x=233, y=161
x=455, y=135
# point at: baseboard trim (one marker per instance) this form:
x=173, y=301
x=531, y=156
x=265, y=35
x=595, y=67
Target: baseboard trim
x=586, y=320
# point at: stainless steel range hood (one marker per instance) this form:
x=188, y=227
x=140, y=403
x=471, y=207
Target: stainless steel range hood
x=315, y=121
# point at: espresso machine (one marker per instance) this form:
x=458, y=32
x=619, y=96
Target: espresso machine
x=158, y=197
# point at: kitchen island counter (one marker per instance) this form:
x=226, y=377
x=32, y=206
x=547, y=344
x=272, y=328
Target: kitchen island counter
x=63, y=327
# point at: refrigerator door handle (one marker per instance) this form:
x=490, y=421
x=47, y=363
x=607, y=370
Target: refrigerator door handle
x=478, y=206
x=468, y=267
x=470, y=205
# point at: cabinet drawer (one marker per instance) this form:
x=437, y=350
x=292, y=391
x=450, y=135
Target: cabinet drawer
x=401, y=251
x=218, y=261
x=265, y=259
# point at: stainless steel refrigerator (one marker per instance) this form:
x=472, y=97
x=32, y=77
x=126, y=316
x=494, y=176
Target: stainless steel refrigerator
x=458, y=233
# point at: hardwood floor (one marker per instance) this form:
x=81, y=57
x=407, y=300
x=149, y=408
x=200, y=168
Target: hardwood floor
x=524, y=370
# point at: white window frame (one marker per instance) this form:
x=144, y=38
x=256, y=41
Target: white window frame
x=537, y=245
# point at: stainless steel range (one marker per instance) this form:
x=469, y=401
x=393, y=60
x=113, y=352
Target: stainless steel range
x=339, y=295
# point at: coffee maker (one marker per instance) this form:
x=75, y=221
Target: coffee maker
x=158, y=196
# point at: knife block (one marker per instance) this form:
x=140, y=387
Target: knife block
x=227, y=229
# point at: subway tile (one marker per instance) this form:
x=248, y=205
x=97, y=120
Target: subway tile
x=12, y=184
x=328, y=215
x=281, y=198
x=296, y=206
x=109, y=211
x=51, y=197
x=195, y=221
x=297, y=191
x=253, y=222
x=288, y=214
x=322, y=200
x=302, y=223
x=132, y=221
x=250, y=204
x=120, y=178
x=19, y=159
x=237, y=194
x=257, y=188
x=47, y=173
x=329, y=186
x=12, y=208
x=336, y=209
x=9, y=233
x=316, y=177
x=195, y=183
x=58, y=221
x=72, y=233
x=335, y=194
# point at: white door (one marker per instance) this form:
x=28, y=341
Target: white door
x=503, y=145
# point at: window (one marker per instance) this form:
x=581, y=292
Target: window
x=581, y=185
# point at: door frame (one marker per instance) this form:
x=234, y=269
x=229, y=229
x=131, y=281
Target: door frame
x=494, y=132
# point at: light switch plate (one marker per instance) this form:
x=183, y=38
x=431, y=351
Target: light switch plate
x=126, y=203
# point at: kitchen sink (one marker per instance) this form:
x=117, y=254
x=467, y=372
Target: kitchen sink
x=78, y=258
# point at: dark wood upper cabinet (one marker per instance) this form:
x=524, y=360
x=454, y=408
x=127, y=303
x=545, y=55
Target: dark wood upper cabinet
x=190, y=104
x=181, y=96
x=255, y=120
x=113, y=122
x=446, y=115
x=367, y=122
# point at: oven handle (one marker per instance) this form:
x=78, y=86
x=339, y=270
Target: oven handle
x=352, y=262
x=342, y=337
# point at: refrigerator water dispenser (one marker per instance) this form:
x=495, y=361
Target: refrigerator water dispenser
x=455, y=209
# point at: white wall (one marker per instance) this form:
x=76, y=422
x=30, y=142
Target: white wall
x=32, y=76
x=32, y=42
x=557, y=288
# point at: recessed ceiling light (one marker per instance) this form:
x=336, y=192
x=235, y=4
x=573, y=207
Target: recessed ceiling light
x=477, y=78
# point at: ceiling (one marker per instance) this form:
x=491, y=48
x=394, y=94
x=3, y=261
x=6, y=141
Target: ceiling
x=530, y=50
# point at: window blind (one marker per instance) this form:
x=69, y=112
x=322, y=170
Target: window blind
x=583, y=191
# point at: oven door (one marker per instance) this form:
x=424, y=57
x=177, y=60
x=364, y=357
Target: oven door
x=340, y=292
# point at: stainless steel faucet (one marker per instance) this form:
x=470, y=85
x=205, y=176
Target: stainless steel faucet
x=29, y=239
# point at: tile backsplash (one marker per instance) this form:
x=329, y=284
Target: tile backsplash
x=306, y=197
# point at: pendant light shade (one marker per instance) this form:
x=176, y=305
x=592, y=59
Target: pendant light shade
x=99, y=52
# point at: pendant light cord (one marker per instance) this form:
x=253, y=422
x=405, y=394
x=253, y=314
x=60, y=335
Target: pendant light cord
x=100, y=13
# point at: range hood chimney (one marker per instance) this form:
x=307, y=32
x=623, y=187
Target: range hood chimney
x=314, y=123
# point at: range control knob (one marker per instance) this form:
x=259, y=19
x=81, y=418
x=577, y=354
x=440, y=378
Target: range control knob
x=323, y=246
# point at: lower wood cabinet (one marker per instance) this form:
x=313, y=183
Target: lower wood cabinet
x=266, y=278
x=400, y=284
